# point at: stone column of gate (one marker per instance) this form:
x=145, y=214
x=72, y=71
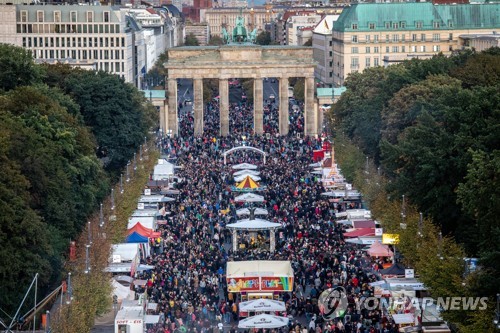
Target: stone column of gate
x=171, y=116
x=283, y=110
x=198, y=106
x=224, y=106
x=258, y=106
x=310, y=119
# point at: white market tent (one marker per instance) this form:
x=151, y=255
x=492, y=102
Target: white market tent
x=243, y=176
x=262, y=305
x=121, y=291
x=263, y=321
x=242, y=166
x=353, y=214
x=315, y=165
x=366, y=240
x=163, y=170
x=148, y=199
x=146, y=221
x=342, y=194
x=151, y=319
x=124, y=252
x=246, y=211
x=249, y=197
x=246, y=172
x=236, y=269
x=256, y=224
x=405, y=318
x=146, y=213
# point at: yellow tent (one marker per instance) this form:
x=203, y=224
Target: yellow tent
x=247, y=184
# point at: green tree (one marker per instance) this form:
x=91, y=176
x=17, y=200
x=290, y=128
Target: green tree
x=191, y=40
x=215, y=41
x=115, y=111
x=17, y=67
x=263, y=38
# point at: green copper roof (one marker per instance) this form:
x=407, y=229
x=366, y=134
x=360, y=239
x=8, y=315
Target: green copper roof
x=329, y=92
x=154, y=94
x=417, y=16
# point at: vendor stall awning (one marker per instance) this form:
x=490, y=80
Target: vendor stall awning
x=360, y=232
x=255, y=224
x=151, y=319
x=363, y=224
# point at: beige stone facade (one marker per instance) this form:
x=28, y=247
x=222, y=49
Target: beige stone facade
x=225, y=62
x=356, y=51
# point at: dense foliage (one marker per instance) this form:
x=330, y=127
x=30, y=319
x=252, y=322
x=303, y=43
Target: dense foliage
x=433, y=127
x=53, y=121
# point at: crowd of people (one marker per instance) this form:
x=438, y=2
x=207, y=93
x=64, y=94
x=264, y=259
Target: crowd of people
x=188, y=279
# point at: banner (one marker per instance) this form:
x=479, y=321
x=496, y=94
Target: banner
x=390, y=238
x=265, y=283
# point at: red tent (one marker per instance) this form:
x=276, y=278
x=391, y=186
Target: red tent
x=140, y=229
x=379, y=250
x=143, y=231
x=360, y=232
x=363, y=224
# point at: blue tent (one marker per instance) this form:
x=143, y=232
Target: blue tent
x=136, y=238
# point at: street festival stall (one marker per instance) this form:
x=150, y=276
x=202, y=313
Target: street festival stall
x=263, y=321
x=259, y=279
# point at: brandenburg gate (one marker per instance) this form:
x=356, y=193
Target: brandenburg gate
x=240, y=61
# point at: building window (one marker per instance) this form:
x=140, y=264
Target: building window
x=395, y=49
x=450, y=37
x=367, y=49
x=57, y=16
x=354, y=26
x=436, y=48
x=354, y=63
x=39, y=16
x=354, y=50
x=403, y=49
x=387, y=25
x=413, y=49
x=395, y=26
x=375, y=62
x=395, y=38
x=418, y=25
x=436, y=37
x=371, y=26
x=74, y=16
x=330, y=43
x=90, y=16
x=403, y=38
x=422, y=48
x=422, y=37
x=330, y=53
x=106, y=17
x=354, y=38
x=375, y=49
x=367, y=38
x=24, y=16
x=450, y=23
x=375, y=39
x=414, y=37
x=435, y=24
x=403, y=25
x=387, y=39
x=387, y=49
x=367, y=61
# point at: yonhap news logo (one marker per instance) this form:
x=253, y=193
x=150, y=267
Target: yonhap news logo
x=332, y=303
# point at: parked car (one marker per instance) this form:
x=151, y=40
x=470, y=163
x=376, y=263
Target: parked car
x=188, y=101
x=272, y=97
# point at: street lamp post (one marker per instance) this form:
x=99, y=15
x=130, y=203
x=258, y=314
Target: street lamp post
x=140, y=153
x=128, y=172
x=112, y=199
x=87, y=259
x=121, y=183
x=90, y=232
x=101, y=217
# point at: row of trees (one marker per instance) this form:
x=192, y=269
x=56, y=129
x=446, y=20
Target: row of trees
x=65, y=135
x=433, y=128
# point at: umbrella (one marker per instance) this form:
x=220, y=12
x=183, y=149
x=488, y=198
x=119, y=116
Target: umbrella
x=246, y=172
x=245, y=166
x=263, y=321
x=378, y=249
x=249, y=197
x=246, y=211
x=262, y=304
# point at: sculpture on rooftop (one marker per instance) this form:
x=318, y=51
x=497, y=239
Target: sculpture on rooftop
x=240, y=34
